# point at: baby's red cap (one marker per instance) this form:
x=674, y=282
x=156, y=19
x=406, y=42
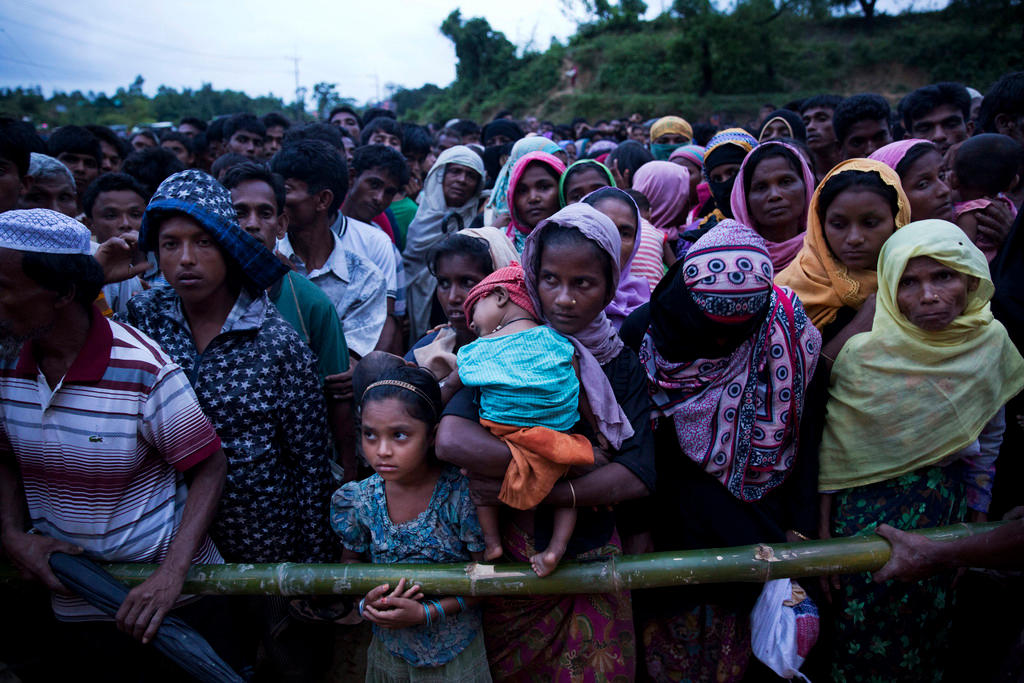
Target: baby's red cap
x=511, y=278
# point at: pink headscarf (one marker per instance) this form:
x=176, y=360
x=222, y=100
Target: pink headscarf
x=892, y=154
x=782, y=253
x=556, y=165
x=667, y=187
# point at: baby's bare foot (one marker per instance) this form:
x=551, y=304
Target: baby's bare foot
x=493, y=552
x=545, y=562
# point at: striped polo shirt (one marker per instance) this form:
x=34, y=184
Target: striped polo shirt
x=101, y=455
x=649, y=261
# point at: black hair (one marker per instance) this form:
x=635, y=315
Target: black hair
x=146, y=133
x=347, y=109
x=642, y=202
x=586, y=165
x=448, y=131
x=423, y=404
x=565, y=132
x=15, y=144
x=614, y=194
x=455, y=244
x=62, y=273
x=174, y=136
x=923, y=100
x=387, y=125
x=76, y=140
x=369, y=370
x=630, y=156
x=868, y=180
x=226, y=162
x=465, y=127
x=912, y=155
x=151, y=166
x=556, y=234
x=865, y=107
x=317, y=164
x=251, y=170
x=492, y=162
x=1006, y=96
x=767, y=151
x=416, y=142
x=702, y=132
x=108, y=136
x=194, y=122
x=820, y=102
x=378, y=113
x=200, y=143
x=112, y=182
x=988, y=163
x=215, y=131
x=380, y=156
x=247, y=122
x=273, y=120
x=324, y=132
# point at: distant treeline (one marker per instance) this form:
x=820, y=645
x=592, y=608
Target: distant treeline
x=130, y=106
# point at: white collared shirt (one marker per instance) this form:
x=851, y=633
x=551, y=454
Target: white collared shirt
x=355, y=286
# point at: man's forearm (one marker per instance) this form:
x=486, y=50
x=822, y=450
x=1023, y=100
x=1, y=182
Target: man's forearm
x=464, y=443
x=200, y=508
x=607, y=485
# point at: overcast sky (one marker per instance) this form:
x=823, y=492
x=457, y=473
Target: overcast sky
x=249, y=45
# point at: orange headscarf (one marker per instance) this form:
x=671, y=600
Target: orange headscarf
x=823, y=283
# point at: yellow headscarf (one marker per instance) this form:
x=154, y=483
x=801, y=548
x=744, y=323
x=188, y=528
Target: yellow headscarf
x=823, y=283
x=901, y=397
x=671, y=124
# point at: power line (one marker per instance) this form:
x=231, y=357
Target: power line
x=19, y=49
x=94, y=27
x=49, y=67
x=124, y=50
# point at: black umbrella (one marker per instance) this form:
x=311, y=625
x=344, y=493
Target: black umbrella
x=175, y=639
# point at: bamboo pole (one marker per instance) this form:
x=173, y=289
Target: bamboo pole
x=752, y=564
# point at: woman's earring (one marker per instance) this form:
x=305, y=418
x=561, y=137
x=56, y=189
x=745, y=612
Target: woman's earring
x=574, y=302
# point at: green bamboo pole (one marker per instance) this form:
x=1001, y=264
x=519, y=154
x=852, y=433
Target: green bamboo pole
x=751, y=564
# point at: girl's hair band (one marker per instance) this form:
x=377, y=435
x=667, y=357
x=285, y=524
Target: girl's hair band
x=404, y=385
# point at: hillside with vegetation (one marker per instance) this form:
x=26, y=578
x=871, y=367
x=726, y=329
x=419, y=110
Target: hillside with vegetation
x=693, y=59
x=698, y=60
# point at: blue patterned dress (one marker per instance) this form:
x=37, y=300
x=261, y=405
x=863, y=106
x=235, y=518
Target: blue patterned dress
x=447, y=531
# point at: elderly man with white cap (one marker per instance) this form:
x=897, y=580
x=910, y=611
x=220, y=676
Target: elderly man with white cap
x=99, y=432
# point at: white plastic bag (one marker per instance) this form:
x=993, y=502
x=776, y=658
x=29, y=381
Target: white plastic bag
x=784, y=626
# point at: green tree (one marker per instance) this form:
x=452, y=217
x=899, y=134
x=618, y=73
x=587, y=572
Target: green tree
x=326, y=97
x=485, y=56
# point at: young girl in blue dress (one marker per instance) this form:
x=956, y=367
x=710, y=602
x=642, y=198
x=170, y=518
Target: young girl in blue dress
x=414, y=509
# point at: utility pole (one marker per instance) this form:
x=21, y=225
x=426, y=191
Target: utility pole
x=300, y=92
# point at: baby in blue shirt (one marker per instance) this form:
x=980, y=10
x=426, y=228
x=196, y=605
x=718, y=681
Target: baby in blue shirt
x=529, y=398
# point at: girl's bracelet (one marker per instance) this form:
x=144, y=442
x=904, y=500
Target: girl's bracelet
x=426, y=611
x=441, y=615
x=462, y=603
x=362, y=604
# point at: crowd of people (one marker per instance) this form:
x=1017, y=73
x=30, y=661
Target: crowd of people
x=250, y=340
